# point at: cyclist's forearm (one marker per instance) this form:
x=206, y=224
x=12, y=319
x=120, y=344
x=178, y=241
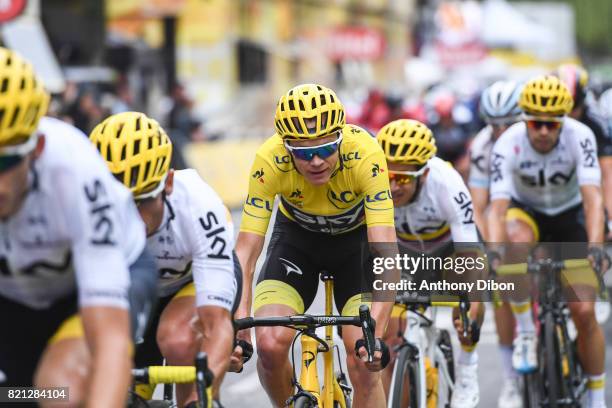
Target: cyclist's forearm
x=217, y=342
x=110, y=378
x=108, y=339
x=480, y=198
x=381, y=312
x=248, y=249
x=594, y=213
x=606, y=174
x=496, y=221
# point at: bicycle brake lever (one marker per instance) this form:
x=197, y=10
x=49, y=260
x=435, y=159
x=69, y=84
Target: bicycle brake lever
x=368, y=325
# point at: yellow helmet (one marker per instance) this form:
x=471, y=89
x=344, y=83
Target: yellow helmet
x=23, y=99
x=308, y=101
x=137, y=151
x=546, y=95
x=407, y=141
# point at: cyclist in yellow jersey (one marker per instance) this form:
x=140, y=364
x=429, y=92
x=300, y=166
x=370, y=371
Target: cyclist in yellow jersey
x=334, y=199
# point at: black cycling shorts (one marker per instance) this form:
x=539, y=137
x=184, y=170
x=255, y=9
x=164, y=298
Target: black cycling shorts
x=148, y=353
x=568, y=226
x=296, y=257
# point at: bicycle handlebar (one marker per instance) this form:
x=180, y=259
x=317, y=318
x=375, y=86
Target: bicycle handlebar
x=538, y=265
x=364, y=320
x=297, y=320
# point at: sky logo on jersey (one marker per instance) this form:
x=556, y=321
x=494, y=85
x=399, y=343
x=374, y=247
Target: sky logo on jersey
x=496, y=163
x=101, y=211
x=218, y=243
x=259, y=175
x=558, y=178
x=478, y=162
x=588, y=150
x=380, y=196
x=342, y=200
x=328, y=224
x=465, y=203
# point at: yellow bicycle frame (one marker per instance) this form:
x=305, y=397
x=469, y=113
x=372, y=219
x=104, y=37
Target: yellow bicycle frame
x=309, y=378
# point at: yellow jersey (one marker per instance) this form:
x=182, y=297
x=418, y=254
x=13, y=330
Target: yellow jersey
x=358, y=191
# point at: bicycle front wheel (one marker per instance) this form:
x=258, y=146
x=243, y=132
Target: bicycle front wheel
x=405, y=381
x=552, y=366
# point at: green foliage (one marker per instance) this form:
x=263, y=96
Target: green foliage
x=593, y=27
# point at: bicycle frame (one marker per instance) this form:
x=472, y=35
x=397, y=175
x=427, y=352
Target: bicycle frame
x=421, y=335
x=309, y=378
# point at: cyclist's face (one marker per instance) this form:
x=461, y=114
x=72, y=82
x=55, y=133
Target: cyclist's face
x=14, y=182
x=402, y=191
x=13, y=186
x=316, y=171
x=498, y=129
x=152, y=209
x=543, y=133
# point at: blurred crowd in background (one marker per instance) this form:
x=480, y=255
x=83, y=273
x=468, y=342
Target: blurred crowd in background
x=211, y=71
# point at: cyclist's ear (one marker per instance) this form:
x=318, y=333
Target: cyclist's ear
x=40, y=146
x=169, y=182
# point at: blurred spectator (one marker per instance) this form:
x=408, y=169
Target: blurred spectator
x=375, y=112
x=84, y=113
x=448, y=120
x=124, y=100
x=182, y=127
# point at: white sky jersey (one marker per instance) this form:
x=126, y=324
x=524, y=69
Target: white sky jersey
x=75, y=217
x=548, y=183
x=442, y=212
x=195, y=241
x=480, y=154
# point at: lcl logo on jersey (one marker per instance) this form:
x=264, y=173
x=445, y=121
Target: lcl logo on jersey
x=349, y=159
x=341, y=200
x=380, y=196
x=258, y=203
x=283, y=163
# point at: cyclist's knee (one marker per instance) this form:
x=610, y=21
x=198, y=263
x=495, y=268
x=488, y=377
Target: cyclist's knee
x=361, y=377
x=177, y=345
x=519, y=232
x=65, y=364
x=583, y=314
x=272, y=346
